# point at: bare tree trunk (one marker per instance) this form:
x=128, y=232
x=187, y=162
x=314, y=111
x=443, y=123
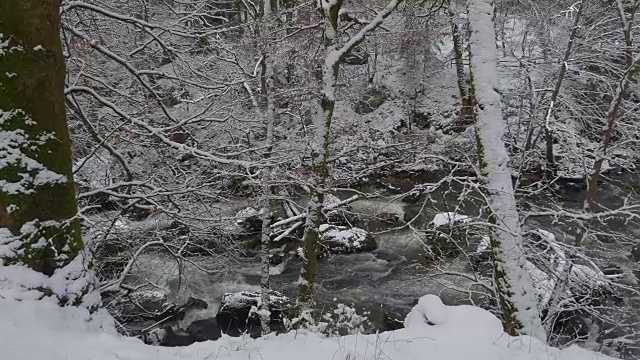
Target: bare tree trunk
x=513, y=284
x=266, y=209
x=321, y=142
x=408, y=55
x=466, y=101
x=320, y=150
x=38, y=227
x=626, y=20
x=607, y=135
x=268, y=119
x=548, y=133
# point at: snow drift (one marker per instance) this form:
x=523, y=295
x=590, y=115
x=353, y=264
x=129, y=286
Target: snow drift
x=39, y=330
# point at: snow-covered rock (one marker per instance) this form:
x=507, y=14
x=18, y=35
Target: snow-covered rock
x=470, y=320
x=543, y=284
x=586, y=277
x=249, y=219
x=449, y=219
x=238, y=313
x=341, y=239
x=446, y=239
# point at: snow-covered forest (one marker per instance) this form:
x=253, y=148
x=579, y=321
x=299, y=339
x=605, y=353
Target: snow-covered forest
x=349, y=179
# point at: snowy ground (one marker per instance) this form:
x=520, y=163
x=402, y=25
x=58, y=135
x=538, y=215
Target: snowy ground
x=41, y=331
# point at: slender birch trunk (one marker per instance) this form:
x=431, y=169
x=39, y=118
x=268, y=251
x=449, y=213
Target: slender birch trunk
x=513, y=284
x=548, y=132
x=267, y=195
x=408, y=55
x=614, y=108
x=320, y=150
x=267, y=118
x=321, y=142
x=466, y=102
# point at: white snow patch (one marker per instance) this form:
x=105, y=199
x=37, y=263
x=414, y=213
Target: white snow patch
x=457, y=333
x=449, y=219
x=348, y=238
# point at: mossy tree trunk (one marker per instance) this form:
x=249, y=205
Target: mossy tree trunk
x=37, y=197
x=268, y=119
x=513, y=284
x=320, y=151
x=321, y=142
x=408, y=54
x=466, y=101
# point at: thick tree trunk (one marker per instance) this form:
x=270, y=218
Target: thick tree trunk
x=37, y=200
x=513, y=284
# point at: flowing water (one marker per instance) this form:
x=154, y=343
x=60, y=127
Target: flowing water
x=392, y=278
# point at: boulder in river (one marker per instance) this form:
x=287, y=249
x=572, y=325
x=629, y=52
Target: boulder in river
x=249, y=220
x=238, y=313
x=166, y=336
x=449, y=219
x=205, y=329
x=344, y=240
x=635, y=253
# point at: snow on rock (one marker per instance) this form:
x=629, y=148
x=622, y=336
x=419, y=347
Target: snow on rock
x=39, y=330
x=545, y=235
x=429, y=311
x=484, y=245
x=449, y=219
x=249, y=298
x=341, y=239
x=543, y=284
x=464, y=320
x=586, y=277
x=249, y=219
x=240, y=312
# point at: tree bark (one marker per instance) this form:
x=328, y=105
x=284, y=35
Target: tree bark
x=466, y=101
x=320, y=151
x=408, y=54
x=607, y=134
x=514, y=287
x=37, y=197
x=266, y=205
x=548, y=132
x=321, y=142
x=614, y=107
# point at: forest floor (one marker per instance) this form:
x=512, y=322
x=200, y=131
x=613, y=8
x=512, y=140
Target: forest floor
x=39, y=330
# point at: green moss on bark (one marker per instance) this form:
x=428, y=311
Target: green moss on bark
x=32, y=91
